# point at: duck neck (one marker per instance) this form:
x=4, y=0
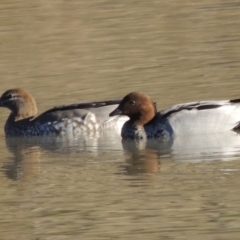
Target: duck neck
x=11, y=119
x=15, y=124
x=10, y=123
x=143, y=119
x=131, y=130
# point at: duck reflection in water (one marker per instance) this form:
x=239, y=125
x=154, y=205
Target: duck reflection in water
x=195, y=148
x=24, y=164
x=143, y=156
x=27, y=152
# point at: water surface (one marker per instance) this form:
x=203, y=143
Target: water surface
x=100, y=188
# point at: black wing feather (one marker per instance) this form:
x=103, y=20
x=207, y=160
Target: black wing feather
x=192, y=106
x=83, y=105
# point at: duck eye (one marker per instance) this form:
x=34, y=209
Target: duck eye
x=132, y=102
x=7, y=96
x=10, y=95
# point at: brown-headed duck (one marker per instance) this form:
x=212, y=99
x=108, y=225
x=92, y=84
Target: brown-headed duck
x=78, y=118
x=190, y=118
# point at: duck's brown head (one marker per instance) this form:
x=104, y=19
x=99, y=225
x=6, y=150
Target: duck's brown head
x=138, y=106
x=20, y=102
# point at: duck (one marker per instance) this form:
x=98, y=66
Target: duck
x=74, y=119
x=203, y=117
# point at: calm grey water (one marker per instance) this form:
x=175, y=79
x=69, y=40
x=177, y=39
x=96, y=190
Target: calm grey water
x=100, y=188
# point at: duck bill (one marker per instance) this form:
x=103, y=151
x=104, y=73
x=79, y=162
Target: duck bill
x=115, y=112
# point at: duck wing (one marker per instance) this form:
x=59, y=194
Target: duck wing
x=100, y=110
x=203, y=117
